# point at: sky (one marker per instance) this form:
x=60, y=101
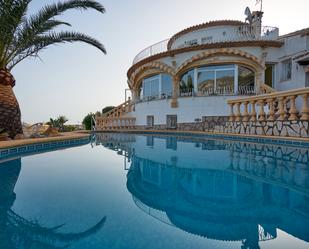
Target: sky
x=76, y=79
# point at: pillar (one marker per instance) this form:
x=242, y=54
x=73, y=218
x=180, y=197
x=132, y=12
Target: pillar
x=174, y=103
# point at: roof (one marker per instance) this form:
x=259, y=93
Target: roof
x=301, y=32
x=253, y=43
x=202, y=26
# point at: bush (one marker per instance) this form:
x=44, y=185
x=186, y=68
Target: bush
x=107, y=109
x=87, y=121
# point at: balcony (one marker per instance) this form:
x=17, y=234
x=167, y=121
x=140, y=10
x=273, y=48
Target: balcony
x=219, y=91
x=242, y=33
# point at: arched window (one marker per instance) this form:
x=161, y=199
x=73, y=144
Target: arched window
x=218, y=80
x=187, y=82
x=156, y=87
x=245, y=77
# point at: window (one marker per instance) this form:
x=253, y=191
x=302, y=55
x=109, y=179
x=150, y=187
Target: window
x=157, y=86
x=151, y=87
x=167, y=85
x=171, y=121
x=246, y=81
x=186, y=82
x=286, y=70
x=206, y=81
x=150, y=121
x=216, y=79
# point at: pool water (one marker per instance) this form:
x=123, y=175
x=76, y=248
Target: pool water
x=136, y=191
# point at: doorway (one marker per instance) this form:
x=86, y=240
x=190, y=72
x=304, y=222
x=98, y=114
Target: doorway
x=269, y=75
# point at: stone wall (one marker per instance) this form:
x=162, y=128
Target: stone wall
x=267, y=128
x=209, y=124
x=222, y=125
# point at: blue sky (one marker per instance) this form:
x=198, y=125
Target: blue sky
x=75, y=79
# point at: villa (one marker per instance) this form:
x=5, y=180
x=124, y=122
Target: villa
x=214, y=76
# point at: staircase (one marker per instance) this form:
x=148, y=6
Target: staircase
x=116, y=119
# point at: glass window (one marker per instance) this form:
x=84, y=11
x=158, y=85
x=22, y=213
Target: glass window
x=225, y=81
x=186, y=82
x=151, y=86
x=286, y=73
x=245, y=81
x=217, y=79
x=206, y=81
x=167, y=85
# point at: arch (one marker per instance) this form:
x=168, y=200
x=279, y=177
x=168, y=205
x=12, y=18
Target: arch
x=160, y=67
x=240, y=57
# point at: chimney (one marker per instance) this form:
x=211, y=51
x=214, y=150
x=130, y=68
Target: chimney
x=257, y=23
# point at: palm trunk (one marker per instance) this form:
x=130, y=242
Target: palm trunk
x=10, y=116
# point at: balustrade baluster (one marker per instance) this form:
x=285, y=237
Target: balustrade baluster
x=305, y=108
x=232, y=116
x=253, y=111
x=271, y=113
x=262, y=112
x=246, y=114
x=293, y=111
x=238, y=114
x=282, y=110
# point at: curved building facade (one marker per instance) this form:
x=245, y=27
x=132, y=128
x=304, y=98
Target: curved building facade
x=192, y=75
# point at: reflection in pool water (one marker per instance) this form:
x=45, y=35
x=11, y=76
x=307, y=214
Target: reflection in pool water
x=217, y=189
x=175, y=192
x=18, y=232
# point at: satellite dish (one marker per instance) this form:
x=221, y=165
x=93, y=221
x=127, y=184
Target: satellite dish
x=249, y=17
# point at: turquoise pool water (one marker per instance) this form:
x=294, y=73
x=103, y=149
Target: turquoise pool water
x=136, y=191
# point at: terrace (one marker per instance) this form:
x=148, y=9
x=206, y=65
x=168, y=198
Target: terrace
x=241, y=33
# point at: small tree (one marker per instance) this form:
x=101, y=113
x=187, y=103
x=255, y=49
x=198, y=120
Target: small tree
x=87, y=121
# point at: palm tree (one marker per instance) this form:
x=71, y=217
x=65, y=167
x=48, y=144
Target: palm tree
x=23, y=36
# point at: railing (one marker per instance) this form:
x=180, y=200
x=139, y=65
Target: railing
x=115, y=123
x=119, y=110
x=280, y=105
x=267, y=89
x=243, y=33
x=154, y=49
x=219, y=91
x=115, y=118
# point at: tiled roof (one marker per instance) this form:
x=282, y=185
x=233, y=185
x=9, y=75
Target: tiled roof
x=255, y=43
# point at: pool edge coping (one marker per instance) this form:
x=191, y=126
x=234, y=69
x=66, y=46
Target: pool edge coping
x=290, y=141
x=24, y=142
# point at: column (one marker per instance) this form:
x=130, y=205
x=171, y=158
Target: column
x=174, y=103
x=258, y=82
x=195, y=90
x=236, y=80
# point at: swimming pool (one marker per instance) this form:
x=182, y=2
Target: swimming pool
x=156, y=191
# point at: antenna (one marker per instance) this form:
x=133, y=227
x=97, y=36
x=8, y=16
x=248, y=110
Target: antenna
x=261, y=2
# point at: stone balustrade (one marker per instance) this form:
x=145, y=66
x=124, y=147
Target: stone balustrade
x=118, y=111
x=115, y=123
x=280, y=106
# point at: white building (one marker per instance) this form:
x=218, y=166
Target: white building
x=192, y=75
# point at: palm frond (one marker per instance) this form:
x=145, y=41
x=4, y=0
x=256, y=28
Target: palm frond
x=41, y=42
x=21, y=37
x=12, y=14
